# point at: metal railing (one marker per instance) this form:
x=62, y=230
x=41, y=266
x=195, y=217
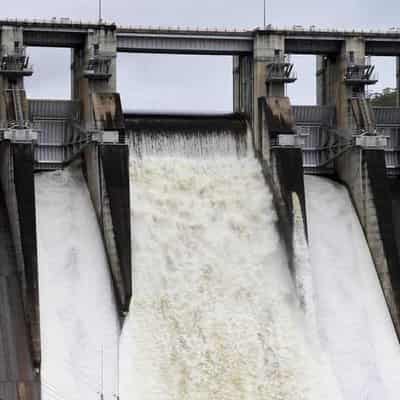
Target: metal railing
x=15, y=61
x=98, y=67
x=281, y=70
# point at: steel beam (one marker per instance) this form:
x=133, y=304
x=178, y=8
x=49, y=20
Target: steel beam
x=184, y=44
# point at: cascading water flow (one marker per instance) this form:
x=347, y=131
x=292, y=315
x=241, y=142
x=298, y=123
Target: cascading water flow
x=214, y=313
x=79, y=322
x=352, y=316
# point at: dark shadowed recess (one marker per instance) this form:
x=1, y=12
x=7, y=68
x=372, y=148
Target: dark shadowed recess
x=233, y=122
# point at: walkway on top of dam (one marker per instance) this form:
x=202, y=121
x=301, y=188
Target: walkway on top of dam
x=64, y=32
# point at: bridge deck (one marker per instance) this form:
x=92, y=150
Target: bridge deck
x=298, y=40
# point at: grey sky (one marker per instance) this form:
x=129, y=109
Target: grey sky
x=195, y=82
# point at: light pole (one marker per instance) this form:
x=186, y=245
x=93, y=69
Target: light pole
x=265, y=13
x=99, y=11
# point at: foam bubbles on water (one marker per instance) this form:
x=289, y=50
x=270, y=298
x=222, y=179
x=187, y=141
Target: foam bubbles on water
x=78, y=315
x=214, y=314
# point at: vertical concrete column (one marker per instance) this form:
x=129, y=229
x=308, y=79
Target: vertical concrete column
x=243, y=85
x=236, y=83
x=321, y=71
x=353, y=52
x=398, y=81
x=107, y=173
x=266, y=47
x=99, y=44
x=11, y=38
x=364, y=173
x=338, y=92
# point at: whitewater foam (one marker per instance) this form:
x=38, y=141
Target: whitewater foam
x=78, y=315
x=214, y=313
x=353, y=319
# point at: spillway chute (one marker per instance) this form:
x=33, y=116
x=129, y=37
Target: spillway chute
x=215, y=312
x=79, y=318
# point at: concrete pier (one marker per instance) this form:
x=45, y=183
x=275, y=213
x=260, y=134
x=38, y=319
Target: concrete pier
x=93, y=69
x=17, y=183
x=107, y=174
x=20, y=320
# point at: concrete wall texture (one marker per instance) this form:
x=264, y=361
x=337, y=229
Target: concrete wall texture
x=364, y=173
x=20, y=353
x=107, y=172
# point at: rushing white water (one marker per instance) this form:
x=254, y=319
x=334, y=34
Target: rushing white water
x=78, y=316
x=353, y=319
x=194, y=143
x=214, y=313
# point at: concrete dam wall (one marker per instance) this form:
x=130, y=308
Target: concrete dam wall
x=18, y=378
x=234, y=281
x=196, y=263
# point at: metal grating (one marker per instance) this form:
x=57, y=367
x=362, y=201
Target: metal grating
x=392, y=151
x=54, y=121
x=316, y=150
x=314, y=123
x=387, y=115
x=65, y=109
x=388, y=124
x=318, y=115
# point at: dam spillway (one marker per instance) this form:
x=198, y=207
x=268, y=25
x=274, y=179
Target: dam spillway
x=214, y=313
x=79, y=319
x=355, y=326
x=217, y=310
x=229, y=287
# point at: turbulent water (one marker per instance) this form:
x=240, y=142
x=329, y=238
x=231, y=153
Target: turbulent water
x=214, y=313
x=78, y=315
x=352, y=316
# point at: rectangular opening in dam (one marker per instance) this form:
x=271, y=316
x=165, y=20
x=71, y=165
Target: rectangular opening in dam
x=154, y=82
x=303, y=91
x=385, y=69
x=51, y=77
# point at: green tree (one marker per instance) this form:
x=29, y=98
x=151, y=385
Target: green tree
x=386, y=98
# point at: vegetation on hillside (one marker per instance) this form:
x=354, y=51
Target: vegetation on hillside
x=386, y=98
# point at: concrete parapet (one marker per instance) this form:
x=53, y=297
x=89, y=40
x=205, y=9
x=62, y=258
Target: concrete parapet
x=107, y=175
x=364, y=173
x=17, y=182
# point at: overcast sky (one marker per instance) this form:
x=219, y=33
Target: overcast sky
x=195, y=82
